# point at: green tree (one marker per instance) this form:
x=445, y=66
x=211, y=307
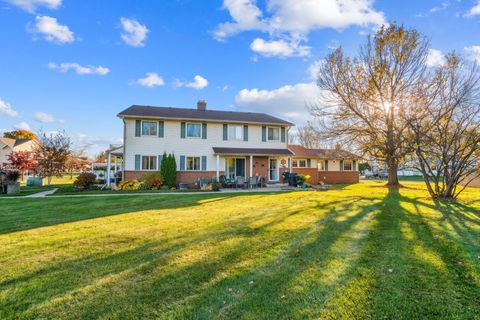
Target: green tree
x=19, y=134
x=169, y=170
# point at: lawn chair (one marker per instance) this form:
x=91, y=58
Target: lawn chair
x=260, y=181
x=253, y=182
x=239, y=181
x=202, y=182
x=224, y=182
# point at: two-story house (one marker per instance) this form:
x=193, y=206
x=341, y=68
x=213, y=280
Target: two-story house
x=7, y=146
x=206, y=143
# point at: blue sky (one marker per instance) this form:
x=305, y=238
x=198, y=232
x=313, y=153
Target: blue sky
x=73, y=65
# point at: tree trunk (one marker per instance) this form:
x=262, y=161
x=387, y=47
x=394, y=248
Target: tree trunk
x=392, y=175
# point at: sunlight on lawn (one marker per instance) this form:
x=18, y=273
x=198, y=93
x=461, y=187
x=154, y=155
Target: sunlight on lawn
x=363, y=251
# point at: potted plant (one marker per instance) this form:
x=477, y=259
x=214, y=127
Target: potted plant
x=13, y=186
x=303, y=180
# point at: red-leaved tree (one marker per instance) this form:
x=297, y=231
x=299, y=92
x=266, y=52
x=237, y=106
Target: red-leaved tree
x=22, y=161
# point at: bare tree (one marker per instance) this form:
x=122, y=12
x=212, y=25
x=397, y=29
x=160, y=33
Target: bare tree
x=364, y=98
x=446, y=128
x=308, y=137
x=51, y=152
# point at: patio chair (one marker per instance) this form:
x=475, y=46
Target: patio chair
x=253, y=182
x=260, y=181
x=225, y=182
x=239, y=181
x=202, y=182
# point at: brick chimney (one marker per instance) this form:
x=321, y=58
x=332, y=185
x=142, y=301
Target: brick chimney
x=201, y=105
x=338, y=146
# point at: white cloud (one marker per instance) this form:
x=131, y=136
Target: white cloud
x=46, y=118
x=295, y=19
x=314, y=69
x=279, y=48
x=435, y=58
x=134, y=33
x=79, y=69
x=151, y=80
x=7, y=110
x=52, y=30
x=473, y=53
x=444, y=5
x=32, y=5
x=245, y=15
x=92, y=145
x=198, y=83
x=289, y=102
x=475, y=10
x=23, y=126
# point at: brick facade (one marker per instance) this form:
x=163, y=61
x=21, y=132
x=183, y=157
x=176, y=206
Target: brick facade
x=344, y=177
x=190, y=177
x=312, y=172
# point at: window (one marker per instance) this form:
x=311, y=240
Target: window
x=149, y=163
x=302, y=163
x=273, y=134
x=347, y=165
x=321, y=165
x=193, y=163
x=235, y=132
x=194, y=130
x=149, y=128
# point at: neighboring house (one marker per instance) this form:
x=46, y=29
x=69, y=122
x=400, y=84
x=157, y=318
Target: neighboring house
x=210, y=143
x=7, y=146
x=325, y=165
x=206, y=143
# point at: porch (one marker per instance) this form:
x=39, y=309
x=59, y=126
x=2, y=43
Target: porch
x=246, y=163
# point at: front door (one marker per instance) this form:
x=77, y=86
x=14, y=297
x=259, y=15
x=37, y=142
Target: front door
x=273, y=172
x=240, y=167
x=235, y=167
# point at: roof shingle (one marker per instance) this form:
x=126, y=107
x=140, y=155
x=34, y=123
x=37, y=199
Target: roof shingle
x=195, y=114
x=300, y=151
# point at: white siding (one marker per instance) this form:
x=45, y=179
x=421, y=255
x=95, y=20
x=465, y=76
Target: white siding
x=172, y=143
x=5, y=150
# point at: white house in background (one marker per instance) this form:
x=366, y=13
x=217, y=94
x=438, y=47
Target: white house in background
x=7, y=146
x=207, y=143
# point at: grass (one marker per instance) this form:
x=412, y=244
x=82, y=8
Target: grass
x=359, y=252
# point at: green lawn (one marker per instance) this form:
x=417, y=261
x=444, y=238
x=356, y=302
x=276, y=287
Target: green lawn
x=359, y=252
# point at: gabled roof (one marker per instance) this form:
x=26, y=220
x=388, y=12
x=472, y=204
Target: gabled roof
x=12, y=143
x=137, y=111
x=7, y=141
x=300, y=151
x=21, y=141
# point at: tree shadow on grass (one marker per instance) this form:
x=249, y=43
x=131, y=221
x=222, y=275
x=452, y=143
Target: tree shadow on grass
x=144, y=277
x=329, y=260
x=432, y=274
x=25, y=214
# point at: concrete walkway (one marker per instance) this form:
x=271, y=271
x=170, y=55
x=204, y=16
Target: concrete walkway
x=43, y=194
x=40, y=194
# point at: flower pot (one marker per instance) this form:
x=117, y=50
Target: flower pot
x=13, y=187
